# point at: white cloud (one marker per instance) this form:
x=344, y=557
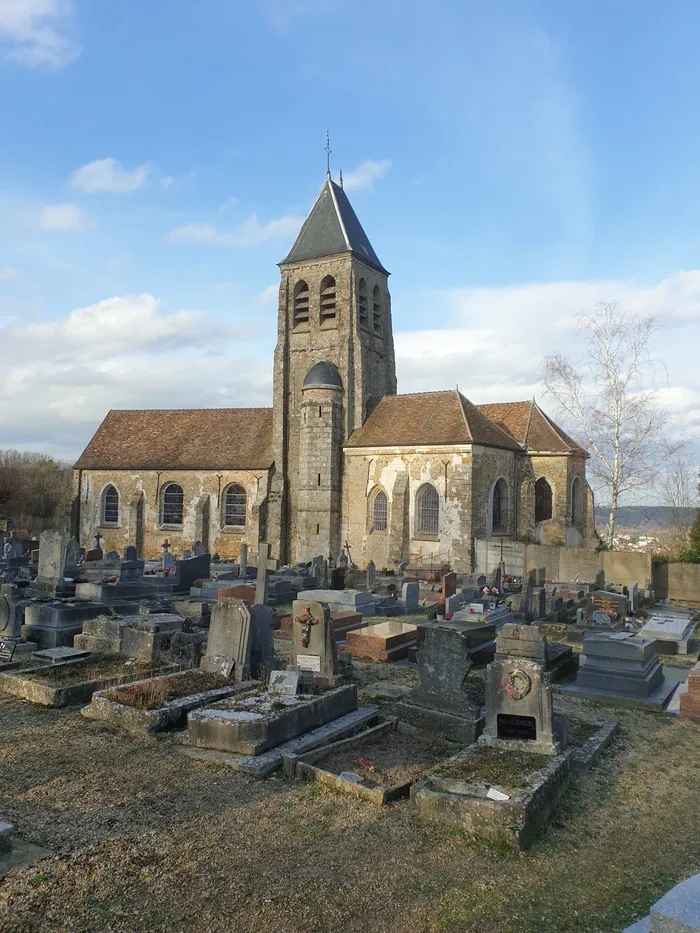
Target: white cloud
x=62, y=217
x=366, y=174
x=123, y=352
x=109, y=176
x=38, y=33
x=7, y=272
x=250, y=233
x=167, y=182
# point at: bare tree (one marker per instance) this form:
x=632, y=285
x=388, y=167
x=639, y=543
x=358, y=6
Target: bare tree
x=680, y=490
x=605, y=396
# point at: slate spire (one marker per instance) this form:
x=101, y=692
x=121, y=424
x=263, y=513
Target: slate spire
x=332, y=227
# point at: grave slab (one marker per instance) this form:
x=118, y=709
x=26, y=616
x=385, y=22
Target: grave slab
x=384, y=641
x=54, y=655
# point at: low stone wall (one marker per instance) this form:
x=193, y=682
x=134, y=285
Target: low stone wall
x=570, y=563
x=678, y=582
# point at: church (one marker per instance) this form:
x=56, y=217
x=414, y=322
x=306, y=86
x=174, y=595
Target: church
x=341, y=462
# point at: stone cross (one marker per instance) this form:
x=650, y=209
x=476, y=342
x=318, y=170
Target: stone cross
x=97, y=542
x=266, y=564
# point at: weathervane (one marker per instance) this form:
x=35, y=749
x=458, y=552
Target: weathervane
x=328, y=154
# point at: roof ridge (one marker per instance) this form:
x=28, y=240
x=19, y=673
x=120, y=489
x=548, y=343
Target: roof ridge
x=331, y=184
x=491, y=421
x=161, y=410
x=460, y=400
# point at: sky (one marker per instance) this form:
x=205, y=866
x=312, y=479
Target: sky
x=513, y=164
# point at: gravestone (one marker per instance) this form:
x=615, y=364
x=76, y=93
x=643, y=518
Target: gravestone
x=519, y=709
x=498, y=580
x=443, y=704
x=283, y=683
x=410, y=593
x=243, y=561
x=230, y=641
x=13, y=546
x=94, y=554
x=112, y=557
x=317, y=569
x=449, y=585
x=528, y=605
x=52, y=556
x=600, y=580
x=371, y=575
x=313, y=646
x=633, y=597
x=541, y=603
x=481, y=581
x=186, y=555
x=452, y=605
x=266, y=565
x=605, y=601
x=131, y=553
x=263, y=657
x=72, y=554
x=198, y=549
x=541, y=576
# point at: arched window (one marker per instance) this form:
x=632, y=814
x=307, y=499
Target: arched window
x=543, y=500
x=377, y=309
x=362, y=303
x=427, y=510
x=499, y=507
x=301, y=303
x=172, y=504
x=328, y=299
x=234, y=507
x=379, y=512
x=576, y=504
x=110, y=506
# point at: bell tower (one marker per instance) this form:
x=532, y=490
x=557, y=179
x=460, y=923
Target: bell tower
x=334, y=313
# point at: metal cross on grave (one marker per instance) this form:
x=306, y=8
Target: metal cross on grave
x=266, y=564
x=165, y=545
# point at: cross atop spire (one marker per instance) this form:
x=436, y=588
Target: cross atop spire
x=328, y=154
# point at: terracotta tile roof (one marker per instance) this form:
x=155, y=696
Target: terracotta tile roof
x=528, y=424
x=427, y=419
x=184, y=439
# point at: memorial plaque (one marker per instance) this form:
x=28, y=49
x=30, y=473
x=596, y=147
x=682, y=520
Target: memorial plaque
x=516, y=727
x=309, y=662
x=601, y=618
x=476, y=608
x=284, y=683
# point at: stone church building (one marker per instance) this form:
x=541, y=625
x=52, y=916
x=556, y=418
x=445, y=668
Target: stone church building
x=340, y=459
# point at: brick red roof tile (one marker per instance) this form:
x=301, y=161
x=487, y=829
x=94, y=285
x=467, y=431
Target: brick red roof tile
x=184, y=439
x=429, y=419
x=528, y=424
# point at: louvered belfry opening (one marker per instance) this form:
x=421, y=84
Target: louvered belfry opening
x=301, y=303
x=328, y=309
x=377, y=309
x=362, y=303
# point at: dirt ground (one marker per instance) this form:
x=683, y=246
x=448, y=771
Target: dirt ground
x=146, y=839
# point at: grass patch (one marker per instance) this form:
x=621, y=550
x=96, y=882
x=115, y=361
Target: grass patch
x=506, y=767
x=96, y=667
x=153, y=694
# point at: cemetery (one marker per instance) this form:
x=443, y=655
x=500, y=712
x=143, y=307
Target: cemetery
x=482, y=709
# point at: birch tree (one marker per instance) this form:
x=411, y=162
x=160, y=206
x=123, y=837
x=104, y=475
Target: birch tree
x=607, y=398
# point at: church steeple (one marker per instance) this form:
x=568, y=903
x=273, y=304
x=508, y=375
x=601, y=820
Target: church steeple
x=334, y=317
x=332, y=227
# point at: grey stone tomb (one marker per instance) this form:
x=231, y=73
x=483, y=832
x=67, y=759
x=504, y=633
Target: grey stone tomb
x=52, y=556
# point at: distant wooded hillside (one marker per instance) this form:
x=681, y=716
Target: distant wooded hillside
x=647, y=517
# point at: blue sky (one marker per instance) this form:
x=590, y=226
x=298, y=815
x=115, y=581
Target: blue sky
x=512, y=163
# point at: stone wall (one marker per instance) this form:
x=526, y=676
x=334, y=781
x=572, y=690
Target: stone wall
x=567, y=563
x=491, y=464
x=140, y=496
x=400, y=473
x=678, y=582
